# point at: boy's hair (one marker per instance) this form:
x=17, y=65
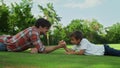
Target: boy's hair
x=43, y=23
x=77, y=35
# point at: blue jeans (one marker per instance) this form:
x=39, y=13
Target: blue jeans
x=3, y=47
x=110, y=51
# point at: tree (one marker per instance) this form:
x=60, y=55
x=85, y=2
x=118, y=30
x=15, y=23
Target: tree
x=91, y=29
x=95, y=31
x=50, y=14
x=58, y=34
x=4, y=15
x=113, y=33
x=21, y=16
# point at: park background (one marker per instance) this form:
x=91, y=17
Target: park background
x=19, y=15
x=100, y=26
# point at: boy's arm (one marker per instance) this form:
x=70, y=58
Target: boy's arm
x=81, y=52
x=63, y=43
x=68, y=50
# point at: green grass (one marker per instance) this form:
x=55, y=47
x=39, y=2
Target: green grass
x=57, y=59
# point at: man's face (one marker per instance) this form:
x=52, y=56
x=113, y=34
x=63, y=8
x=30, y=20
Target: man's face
x=75, y=41
x=43, y=30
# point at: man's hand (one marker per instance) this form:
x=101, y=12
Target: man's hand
x=62, y=44
x=34, y=50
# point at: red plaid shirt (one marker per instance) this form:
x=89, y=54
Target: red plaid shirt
x=23, y=40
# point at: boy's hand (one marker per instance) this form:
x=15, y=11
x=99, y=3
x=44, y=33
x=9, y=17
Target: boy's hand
x=34, y=50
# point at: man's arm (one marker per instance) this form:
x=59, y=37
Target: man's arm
x=49, y=49
x=35, y=39
x=65, y=47
x=34, y=50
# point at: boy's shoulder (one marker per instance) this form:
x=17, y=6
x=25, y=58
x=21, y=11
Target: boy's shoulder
x=84, y=40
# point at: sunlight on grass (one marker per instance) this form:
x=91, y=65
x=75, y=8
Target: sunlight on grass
x=116, y=46
x=57, y=59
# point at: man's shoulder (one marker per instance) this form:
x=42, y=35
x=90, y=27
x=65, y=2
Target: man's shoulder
x=29, y=28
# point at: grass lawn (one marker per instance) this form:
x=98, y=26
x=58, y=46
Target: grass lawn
x=57, y=59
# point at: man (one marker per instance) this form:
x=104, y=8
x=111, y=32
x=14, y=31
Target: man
x=29, y=38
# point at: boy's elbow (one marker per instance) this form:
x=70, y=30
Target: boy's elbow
x=81, y=54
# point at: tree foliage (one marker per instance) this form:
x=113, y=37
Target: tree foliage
x=4, y=15
x=113, y=33
x=18, y=17
x=91, y=29
x=50, y=14
x=21, y=16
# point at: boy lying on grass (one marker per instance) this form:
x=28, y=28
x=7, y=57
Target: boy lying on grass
x=83, y=47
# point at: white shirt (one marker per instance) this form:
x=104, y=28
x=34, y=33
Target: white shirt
x=90, y=49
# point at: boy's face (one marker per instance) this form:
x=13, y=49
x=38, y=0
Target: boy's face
x=75, y=41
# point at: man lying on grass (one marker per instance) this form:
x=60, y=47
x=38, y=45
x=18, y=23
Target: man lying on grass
x=28, y=38
x=84, y=47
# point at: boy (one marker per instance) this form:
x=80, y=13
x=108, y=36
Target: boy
x=84, y=47
x=29, y=38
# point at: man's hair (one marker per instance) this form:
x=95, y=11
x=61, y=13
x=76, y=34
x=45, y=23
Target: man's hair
x=43, y=23
x=77, y=35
